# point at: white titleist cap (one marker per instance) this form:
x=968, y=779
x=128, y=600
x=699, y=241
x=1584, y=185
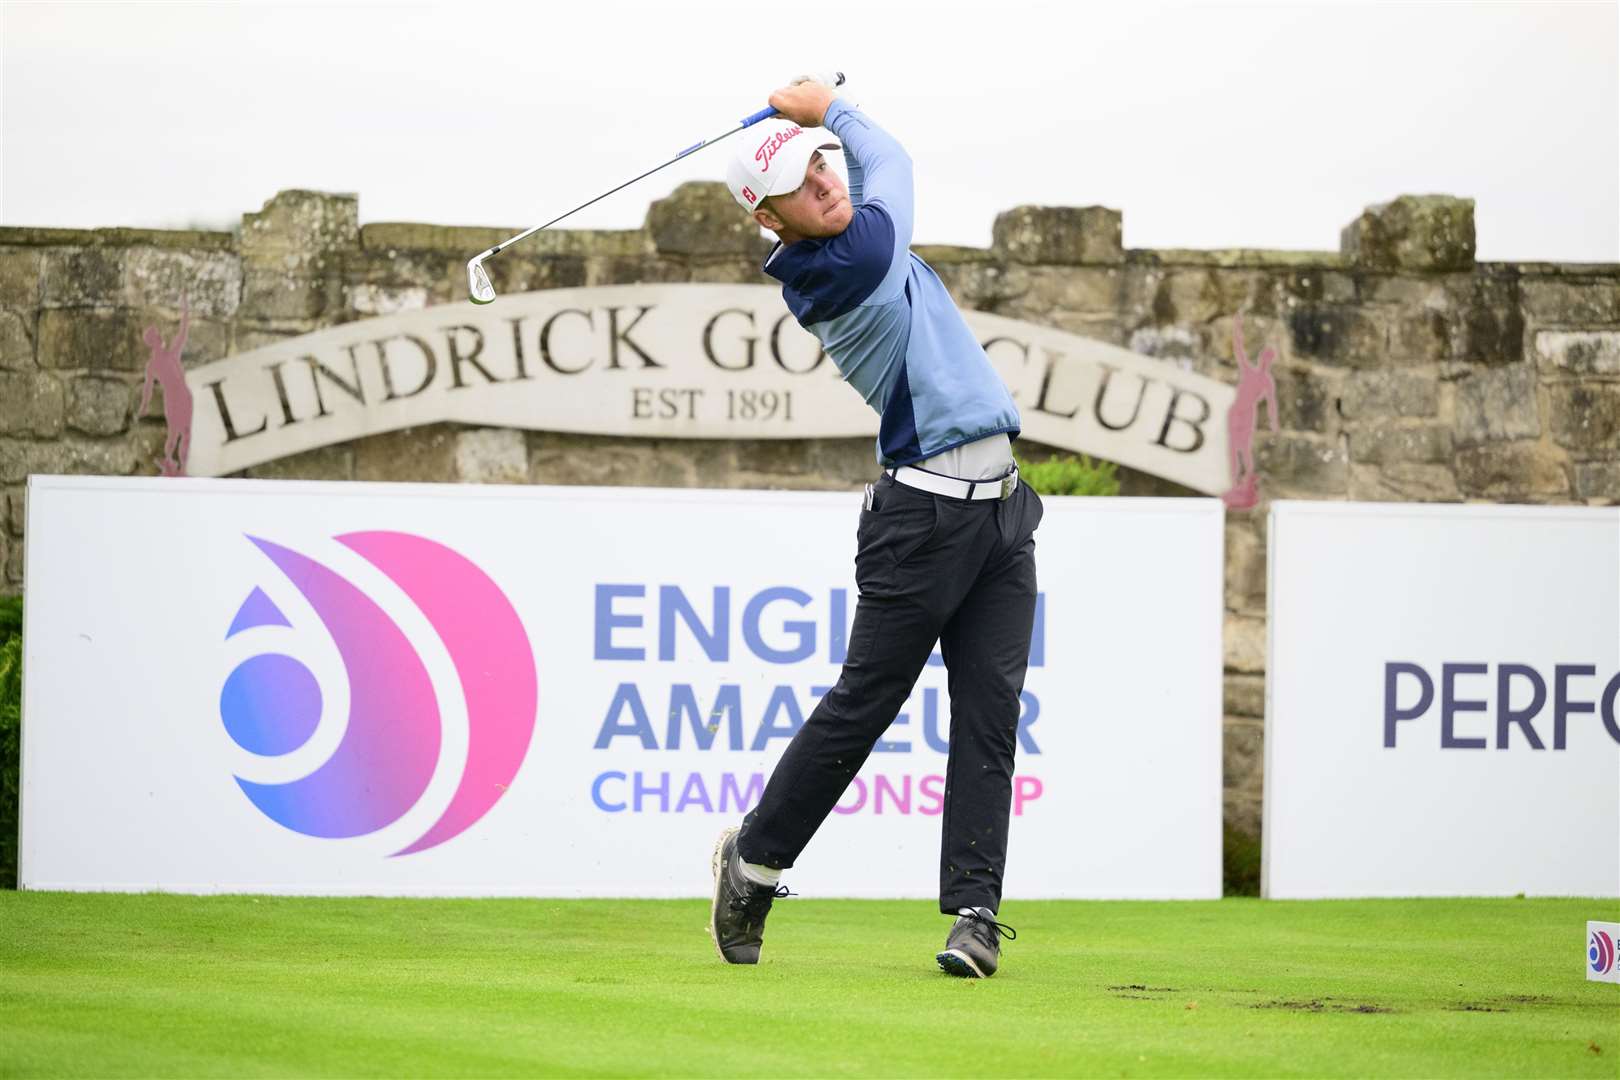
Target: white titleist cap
x=771, y=159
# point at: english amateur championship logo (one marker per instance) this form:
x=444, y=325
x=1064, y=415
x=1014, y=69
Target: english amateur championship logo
x=271, y=703
x=1600, y=951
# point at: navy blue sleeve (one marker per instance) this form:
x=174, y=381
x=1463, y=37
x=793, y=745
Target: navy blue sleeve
x=846, y=270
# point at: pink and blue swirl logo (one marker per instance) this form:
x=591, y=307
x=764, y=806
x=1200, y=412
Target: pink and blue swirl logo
x=1600, y=952
x=271, y=703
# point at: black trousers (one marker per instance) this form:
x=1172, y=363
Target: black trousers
x=929, y=568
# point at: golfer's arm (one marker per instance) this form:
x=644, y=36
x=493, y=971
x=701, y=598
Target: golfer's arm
x=879, y=167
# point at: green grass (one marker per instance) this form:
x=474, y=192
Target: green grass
x=109, y=985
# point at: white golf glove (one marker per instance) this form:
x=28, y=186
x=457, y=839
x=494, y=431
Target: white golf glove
x=829, y=79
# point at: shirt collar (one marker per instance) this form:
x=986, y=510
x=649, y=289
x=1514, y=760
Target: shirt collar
x=786, y=260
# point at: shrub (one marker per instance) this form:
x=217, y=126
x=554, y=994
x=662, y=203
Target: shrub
x=1070, y=475
x=10, y=733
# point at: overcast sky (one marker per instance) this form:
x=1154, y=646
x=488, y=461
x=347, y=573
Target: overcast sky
x=1210, y=125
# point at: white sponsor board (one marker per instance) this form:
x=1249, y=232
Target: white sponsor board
x=1441, y=696
x=416, y=689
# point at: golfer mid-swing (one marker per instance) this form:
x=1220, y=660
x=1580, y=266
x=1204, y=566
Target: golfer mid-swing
x=946, y=548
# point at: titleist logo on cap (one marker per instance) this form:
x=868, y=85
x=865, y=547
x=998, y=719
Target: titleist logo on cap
x=770, y=146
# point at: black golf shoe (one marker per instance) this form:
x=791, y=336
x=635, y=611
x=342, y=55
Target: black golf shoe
x=737, y=919
x=973, y=949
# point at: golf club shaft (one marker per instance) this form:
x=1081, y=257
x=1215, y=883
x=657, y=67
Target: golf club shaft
x=747, y=122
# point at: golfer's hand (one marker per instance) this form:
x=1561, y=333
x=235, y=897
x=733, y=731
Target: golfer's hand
x=804, y=103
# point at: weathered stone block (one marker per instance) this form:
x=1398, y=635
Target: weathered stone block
x=1059, y=235
x=274, y=294
x=20, y=279
x=13, y=460
x=82, y=277
x=1585, y=416
x=1512, y=471
x=90, y=340
x=1375, y=395
x=609, y=462
x=1485, y=324
x=16, y=340
x=845, y=464
x=1571, y=303
x=373, y=300
x=1302, y=465
x=1413, y=232
x=779, y=457
x=1244, y=695
x=730, y=271
x=1180, y=343
x=1303, y=284
x=1403, y=483
x=983, y=285
x=632, y=270
x=701, y=218
x=714, y=462
x=1411, y=292
x=1245, y=567
x=1135, y=484
x=491, y=456
x=1338, y=335
x=1580, y=352
x=1499, y=403
x=14, y=502
x=1080, y=290
x=210, y=282
x=300, y=230
x=68, y=456
x=1598, y=480
x=398, y=270
x=1385, y=444
x=1243, y=754
x=1419, y=337
x=1305, y=401
x=414, y=454
x=1139, y=300
x=12, y=552
x=1244, y=641
x=1190, y=296
x=32, y=403
x=102, y=406
x=1339, y=287
x=248, y=338
x=322, y=463
x=520, y=274
x=1241, y=812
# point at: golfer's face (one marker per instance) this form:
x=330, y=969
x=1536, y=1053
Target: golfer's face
x=820, y=207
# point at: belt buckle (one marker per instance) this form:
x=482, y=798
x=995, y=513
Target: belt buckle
x=1009, y=483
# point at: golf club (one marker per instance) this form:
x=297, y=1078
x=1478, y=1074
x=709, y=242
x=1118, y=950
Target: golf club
x=479, y=289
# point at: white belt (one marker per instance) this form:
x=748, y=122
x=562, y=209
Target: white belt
x=923, y=480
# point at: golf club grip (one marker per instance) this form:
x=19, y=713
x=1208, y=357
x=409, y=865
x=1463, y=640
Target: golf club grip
x=835, y=78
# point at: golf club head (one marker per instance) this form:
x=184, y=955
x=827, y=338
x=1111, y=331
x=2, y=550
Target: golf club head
x=479, y=290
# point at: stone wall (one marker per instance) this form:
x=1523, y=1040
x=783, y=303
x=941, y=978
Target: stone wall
x=1405, y=370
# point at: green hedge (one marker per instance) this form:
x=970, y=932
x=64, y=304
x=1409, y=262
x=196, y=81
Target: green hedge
x=1070, y=475
x=10, y=733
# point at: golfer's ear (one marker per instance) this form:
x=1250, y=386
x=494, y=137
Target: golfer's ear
x=767, y=220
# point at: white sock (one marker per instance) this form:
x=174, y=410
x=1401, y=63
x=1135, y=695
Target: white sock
x=760, y=875
x=964, y=912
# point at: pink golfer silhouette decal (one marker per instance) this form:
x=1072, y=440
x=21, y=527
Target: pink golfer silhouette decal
x=1255, y=385
x=164, y=366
